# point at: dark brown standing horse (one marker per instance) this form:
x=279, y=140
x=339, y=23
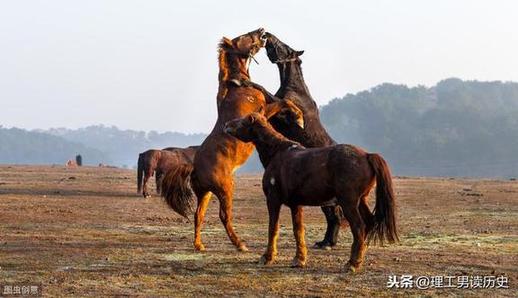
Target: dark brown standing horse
x=313, y=134
x=297, y=176
x=159, y=162
x=220, y=154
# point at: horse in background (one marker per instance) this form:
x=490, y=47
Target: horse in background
x=158, y=162
x=340, y=174
x=220, y=154
x=71, y=164
x=313, y=134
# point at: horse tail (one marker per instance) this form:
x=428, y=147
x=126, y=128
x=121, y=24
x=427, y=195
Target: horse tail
x=384, y=226
x=140, y=171
x=177, y=191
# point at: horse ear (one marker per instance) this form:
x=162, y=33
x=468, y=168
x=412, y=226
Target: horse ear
x=299, y=53
x=226, y=42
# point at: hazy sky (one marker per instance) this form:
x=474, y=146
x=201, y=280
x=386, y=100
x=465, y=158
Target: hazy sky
x=153, y=64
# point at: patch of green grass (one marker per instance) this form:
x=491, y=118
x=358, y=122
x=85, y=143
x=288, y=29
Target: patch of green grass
x=194, y=256
x=502, y=243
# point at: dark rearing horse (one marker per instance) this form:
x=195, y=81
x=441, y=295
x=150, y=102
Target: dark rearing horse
x=297, y=176
x=220, y=154
x=313, y=134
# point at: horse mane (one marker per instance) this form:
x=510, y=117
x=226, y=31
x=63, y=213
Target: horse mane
x=224, y=66
x=270, y=141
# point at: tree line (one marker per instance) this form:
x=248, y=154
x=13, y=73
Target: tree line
x=455, y=128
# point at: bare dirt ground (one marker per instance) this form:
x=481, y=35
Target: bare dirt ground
x=85, y=232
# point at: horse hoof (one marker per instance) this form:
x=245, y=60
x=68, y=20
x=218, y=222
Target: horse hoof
x=323, y=245
x=242, y=248
x=265, y=260
x=296, y=263
x=199, y=247
x=352, y=268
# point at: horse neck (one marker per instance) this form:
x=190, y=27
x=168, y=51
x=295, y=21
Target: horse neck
x=232, y=67
x=292, y=79
x=269, y=143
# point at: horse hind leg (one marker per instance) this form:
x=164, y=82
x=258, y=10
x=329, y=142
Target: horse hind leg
x=199, y=216
x=352, y=213
x=225, y=214
x=147, y=175
x=367, y=216
x=158, y=182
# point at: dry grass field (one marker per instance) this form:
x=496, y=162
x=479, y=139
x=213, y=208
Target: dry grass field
x=85, y=232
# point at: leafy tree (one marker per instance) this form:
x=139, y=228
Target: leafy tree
x=456, y=128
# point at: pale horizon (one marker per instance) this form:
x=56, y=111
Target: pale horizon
x=153, y=67
x=208, y=131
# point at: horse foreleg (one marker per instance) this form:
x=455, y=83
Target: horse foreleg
x=274, y=108
x=298, y=230
x=225, y=215
x=351, y=212
x=274, y=208
x=203, y=202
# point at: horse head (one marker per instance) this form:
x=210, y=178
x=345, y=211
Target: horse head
x=235, y=55
x=279, y=52
x=246, y=45
x=245, y=128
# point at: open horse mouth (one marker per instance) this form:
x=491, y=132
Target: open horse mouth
x=258, y=44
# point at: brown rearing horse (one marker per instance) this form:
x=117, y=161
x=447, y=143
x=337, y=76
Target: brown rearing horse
x=220, y=154
x=297, y=176
x=159, y=162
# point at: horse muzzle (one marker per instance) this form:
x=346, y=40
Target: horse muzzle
x=263, y=37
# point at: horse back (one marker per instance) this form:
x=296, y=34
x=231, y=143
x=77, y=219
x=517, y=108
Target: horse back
x=299, y=174
x=171, y=159
x=150, y=159
x=190, y=152
x=350, y=167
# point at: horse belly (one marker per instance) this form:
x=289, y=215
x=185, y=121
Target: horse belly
x=220, y=157
x=311, y=190
x=308, y=181
x=314, y=195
